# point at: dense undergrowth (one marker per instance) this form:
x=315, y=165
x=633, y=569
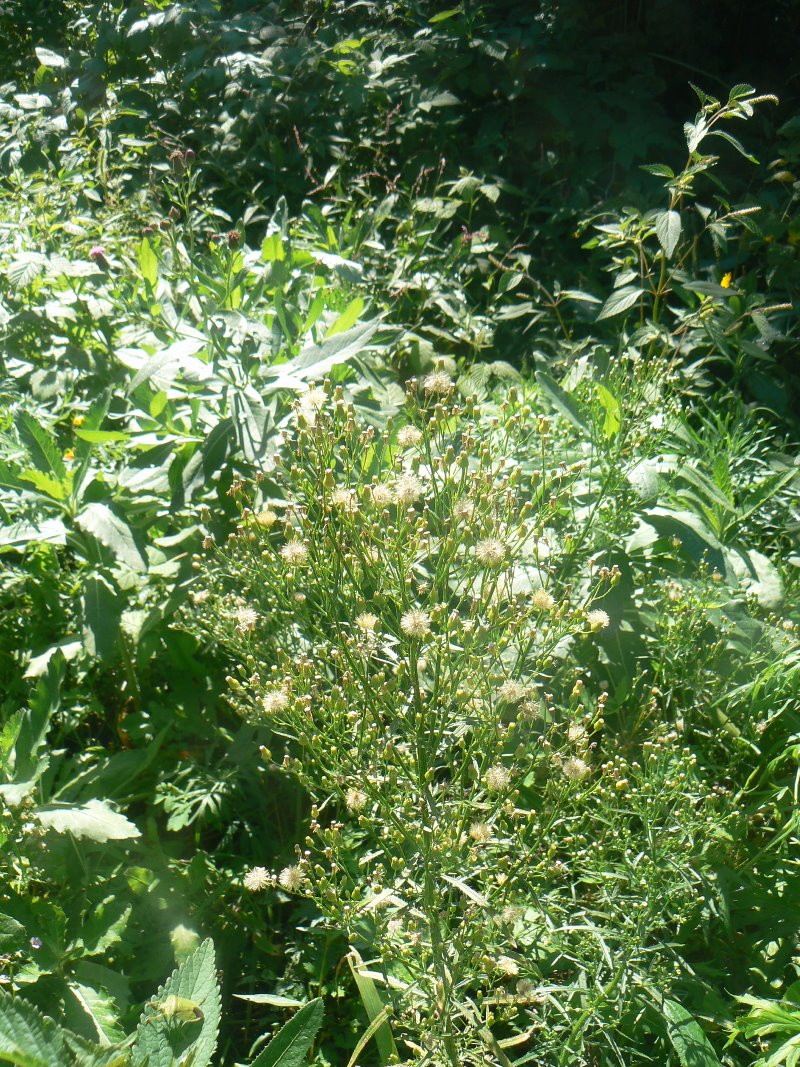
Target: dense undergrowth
x=400, y=510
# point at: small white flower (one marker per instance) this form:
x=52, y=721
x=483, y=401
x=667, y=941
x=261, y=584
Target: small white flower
x=275, y=701
x=367, y=621
x=657, y=421
x=246, y=619
x=597, y=619
x=267, y=517
x=416, y=623
x=291, y=878
x=257, y=879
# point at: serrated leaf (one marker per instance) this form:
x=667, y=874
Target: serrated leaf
x=100, y=1015
x=27, y=1038
x=661, y=170
x=25, y=268
x=111, y=531
x=668, y=231
x=41, y=449
x=160, y=1041
x=94, y=820
x=289, y=1047
x=691, y=1045
x=621, y=300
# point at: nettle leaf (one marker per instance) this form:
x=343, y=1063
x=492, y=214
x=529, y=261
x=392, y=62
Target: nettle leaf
x=668, y=231
x=165, y=1037
x=25, y=268
x=621, y=300
x=289, y=1047
x=27, y=1038
x=691, y=1045
x=94, y=820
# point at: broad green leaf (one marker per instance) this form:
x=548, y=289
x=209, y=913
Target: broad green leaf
x=621, y=300
x=41, y=448
x=668, y=231
x=290, y=1046
x=110, y=530
x=272, y=248
x=101, y=437
x=611, y=405
x=160, y=1041
x=94, y=820
x=50, y=59
x=148, y=262
x=691, y=1045
x=24, y=268
x=567, y=405
x=27, y=1038
x=101, y=1018
x=21, y=534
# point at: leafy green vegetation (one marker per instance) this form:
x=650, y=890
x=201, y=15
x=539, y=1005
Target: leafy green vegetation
x=400, y=541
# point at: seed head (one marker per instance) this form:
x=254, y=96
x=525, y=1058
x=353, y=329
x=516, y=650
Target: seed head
x=295, y=553
x=355, y=801
x=382, y=496
x=511, y=691
x=507, y=967
x=575, y=769
x=497, y=778
x=542, y=600
x=490, y=552
x=437, y=383
x=481, y=833
x=367, y=621
x=407, y=489
x=266, y=518
x=346, y=500
x=409, y=437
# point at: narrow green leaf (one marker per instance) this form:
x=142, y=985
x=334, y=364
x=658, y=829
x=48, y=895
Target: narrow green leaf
x=563, y=402
x=289, y=1047
x=373, y=1006
x=348, y=318
x=41, y=448
x=380, y=1020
